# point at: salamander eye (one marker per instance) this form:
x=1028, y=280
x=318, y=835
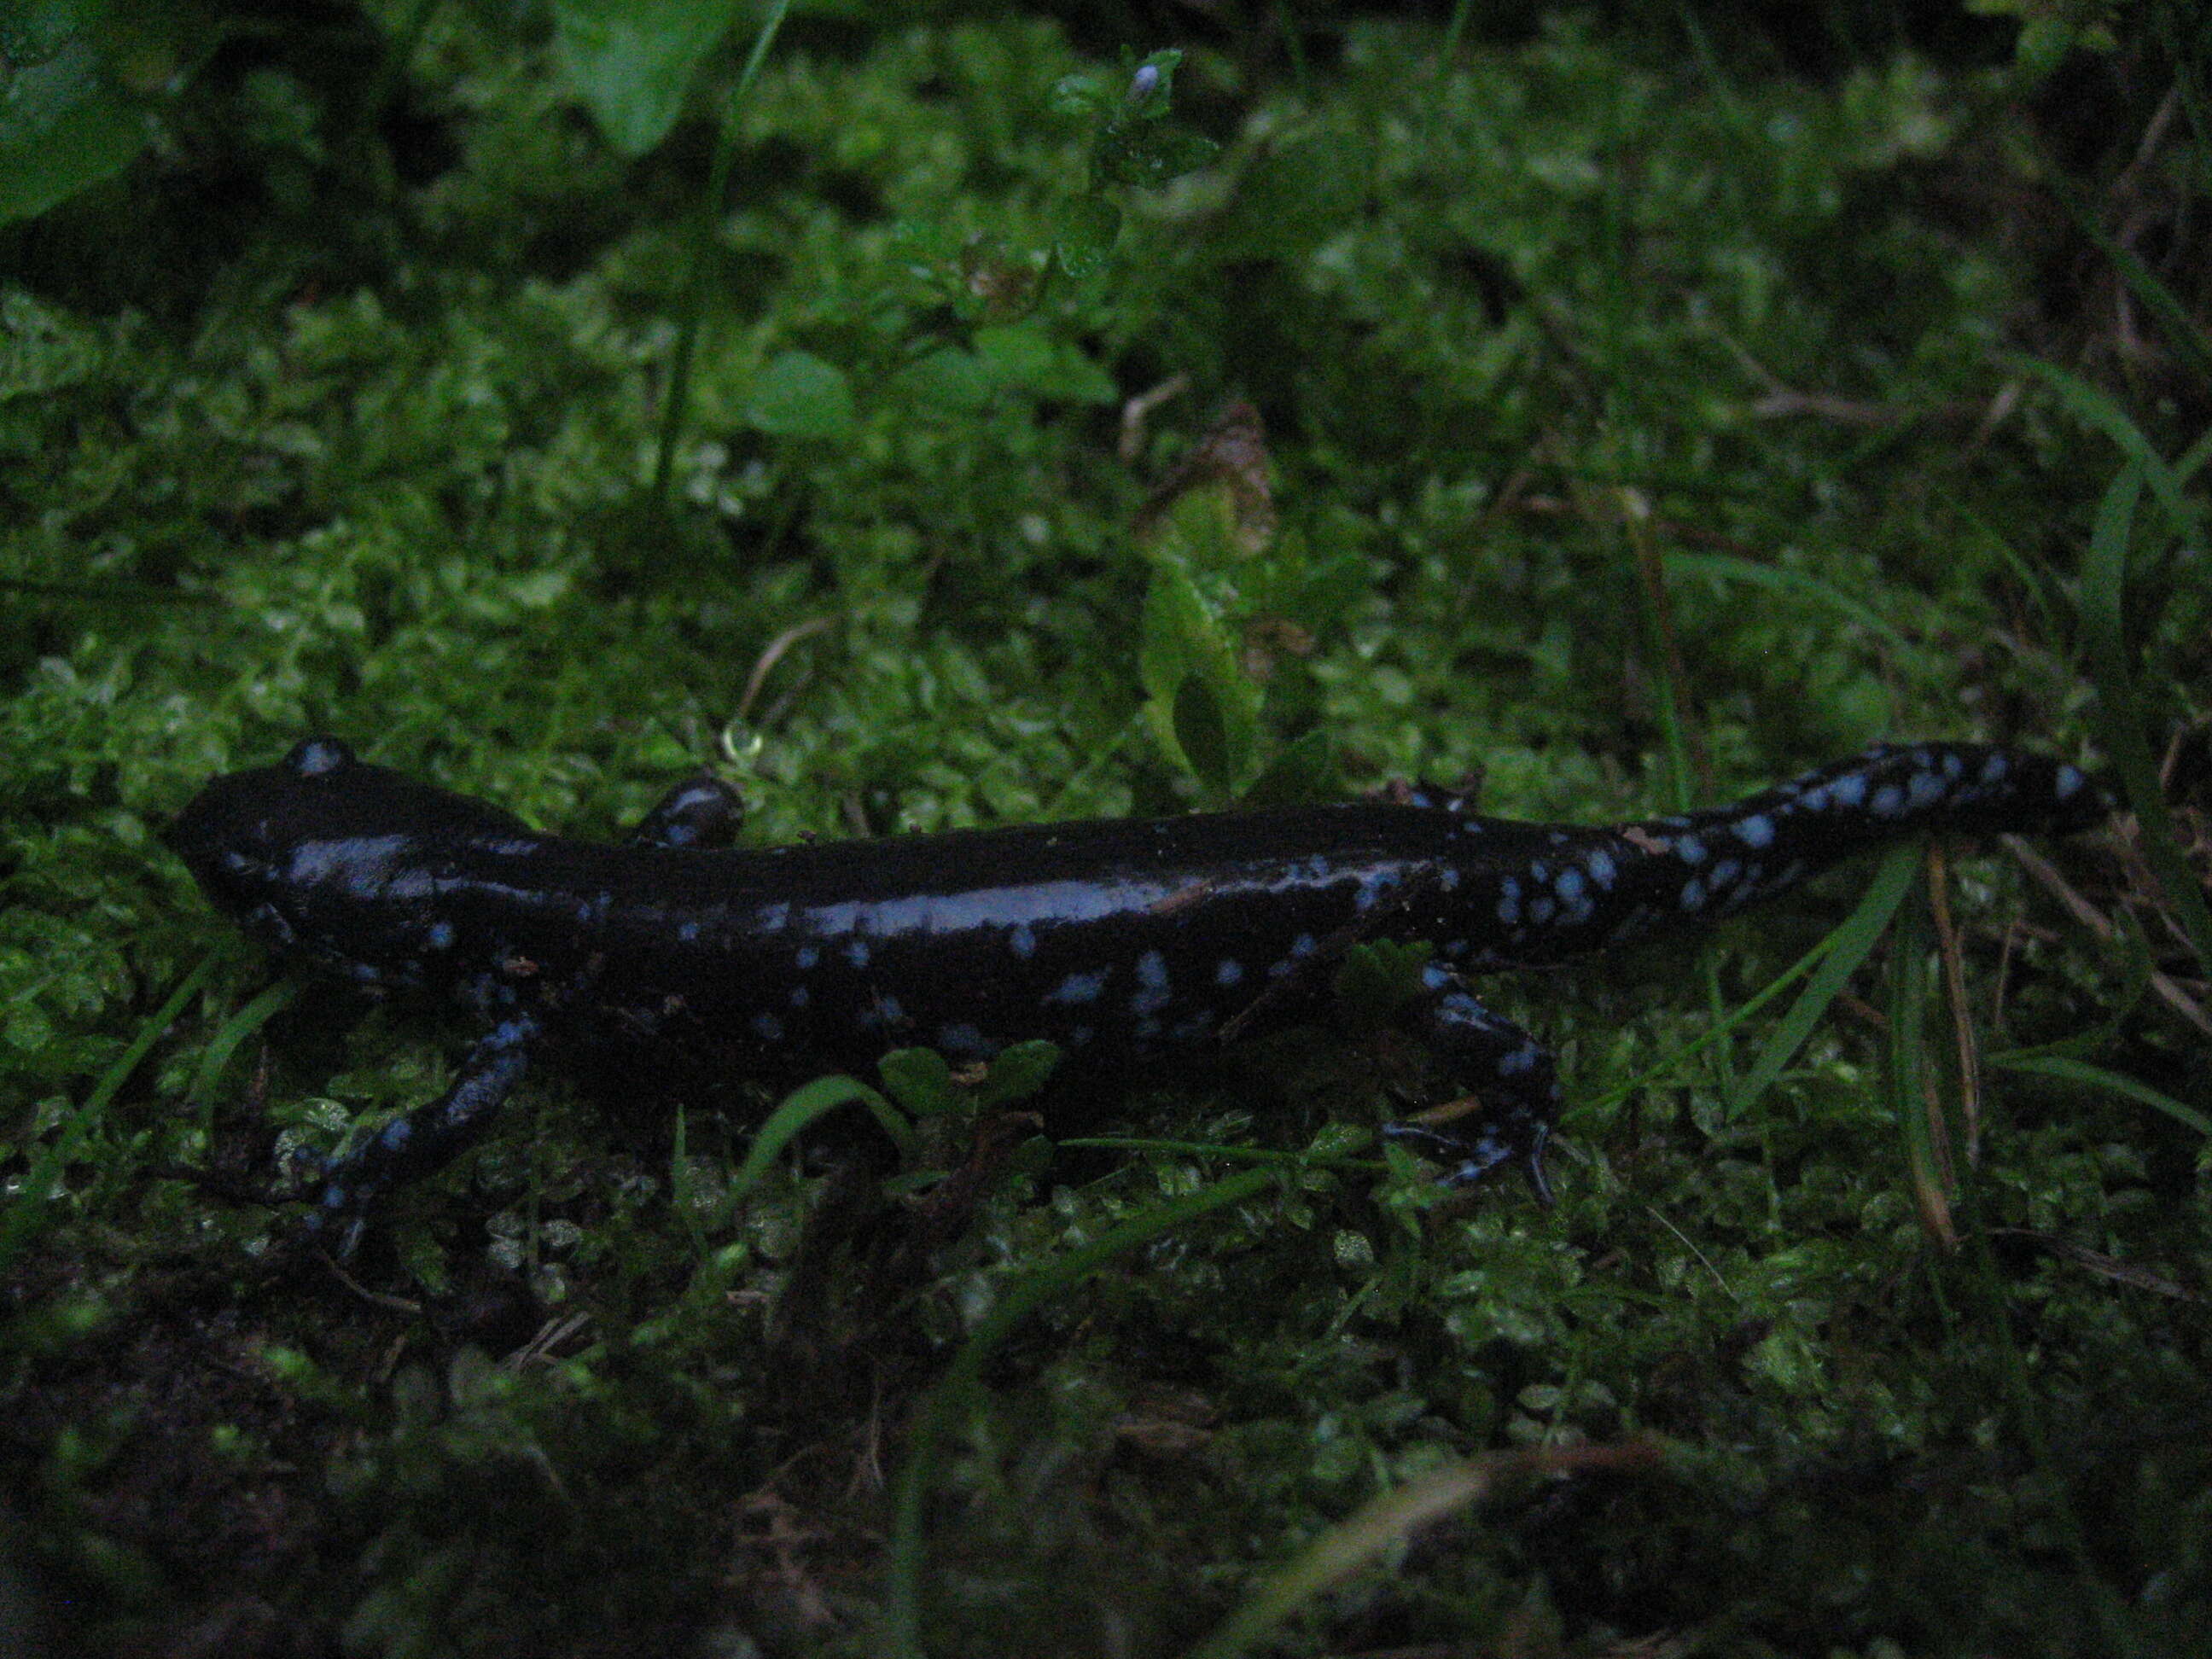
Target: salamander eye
x=318, y=757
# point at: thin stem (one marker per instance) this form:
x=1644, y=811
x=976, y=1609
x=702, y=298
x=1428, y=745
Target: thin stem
x=701, y=254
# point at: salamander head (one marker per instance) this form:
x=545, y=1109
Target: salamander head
x=328, y=856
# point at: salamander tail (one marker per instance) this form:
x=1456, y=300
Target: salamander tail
x=1718, y=861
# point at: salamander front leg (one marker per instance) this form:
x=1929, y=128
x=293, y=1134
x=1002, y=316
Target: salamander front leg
x=701, y=811
x=1509, y=1087
x=426, y=1139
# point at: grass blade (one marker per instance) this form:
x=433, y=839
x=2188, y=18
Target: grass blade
x=934, y=1422
x=801, y=1108
x=1715, y=1033
x=236, y=1029
x=23, y=1217
x=1848, y=946
x=1385, y=1521
x=2067, y=1070
x=1726, y=567
x=2093, y=409
x=1927, y=1151
x=2180, y=329
x=2120, y=716
x=702, y=255
x=1342, y=1160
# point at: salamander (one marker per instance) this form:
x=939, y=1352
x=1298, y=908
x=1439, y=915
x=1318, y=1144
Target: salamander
x=1117, y=940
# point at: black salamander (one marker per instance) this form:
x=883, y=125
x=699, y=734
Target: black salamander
x=1116, y=941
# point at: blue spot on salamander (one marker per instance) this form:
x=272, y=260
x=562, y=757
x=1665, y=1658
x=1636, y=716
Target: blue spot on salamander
x=962, y=1039
x=1153, y=993
x=1078, y=988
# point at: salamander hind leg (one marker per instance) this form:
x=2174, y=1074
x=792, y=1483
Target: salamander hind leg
x=426, y=1139
x=702, y=813
x=1508, y=1082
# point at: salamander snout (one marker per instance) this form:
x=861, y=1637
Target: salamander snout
x=225, y=844
x=243, y=834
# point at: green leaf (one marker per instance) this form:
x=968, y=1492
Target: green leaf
x=1203, y=733
x=1019, y=354
x=800, y=1109
x=1211, y=527
x=63, y=128
x=1148, y=153
x=1020, y=1071
x=1152, y=89
x=631, y=60
x=948, y=378
x=43, y=348
x=1183, y=641
x=1305, y=772
x=1078, y=96
x=798, y=395
x=1084, y=235
x=1026, y=358
x=920, y=1079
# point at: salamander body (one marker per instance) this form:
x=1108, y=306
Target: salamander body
x=1117, y=940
